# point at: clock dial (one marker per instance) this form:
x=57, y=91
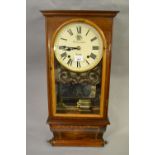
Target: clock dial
x=78, y=46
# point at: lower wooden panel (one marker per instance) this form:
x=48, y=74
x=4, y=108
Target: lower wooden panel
x=69, y=135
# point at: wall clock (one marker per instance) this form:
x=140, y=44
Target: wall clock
x=78, y=45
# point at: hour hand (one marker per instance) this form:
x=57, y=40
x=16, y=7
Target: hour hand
x=62, y=47
x=67, y=48
x=75, y=48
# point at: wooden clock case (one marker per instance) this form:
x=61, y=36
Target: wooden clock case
x=72, y=129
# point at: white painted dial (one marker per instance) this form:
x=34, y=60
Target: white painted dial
x=78, y=46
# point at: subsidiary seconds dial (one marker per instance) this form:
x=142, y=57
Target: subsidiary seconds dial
x=78, y=46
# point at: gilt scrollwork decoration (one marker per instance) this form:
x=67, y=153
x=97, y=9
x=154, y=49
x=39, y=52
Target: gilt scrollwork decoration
x=91, y=77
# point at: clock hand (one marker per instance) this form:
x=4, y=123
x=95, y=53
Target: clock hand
x=73, y=48
x=67, y=48
x=62, y=47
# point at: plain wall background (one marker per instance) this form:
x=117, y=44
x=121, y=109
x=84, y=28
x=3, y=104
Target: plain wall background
x=37, y=130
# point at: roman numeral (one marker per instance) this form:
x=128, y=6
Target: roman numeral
x=70, y=62
x=64, y=55
x=78, y=64
x=93, y=38
x=78, y=29
x=63, y=39
x=87, y=62
x=70, y=32
x=95, y=47
x=92, y=55
x=87, y=32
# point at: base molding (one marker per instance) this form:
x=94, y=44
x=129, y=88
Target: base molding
x=84, y=142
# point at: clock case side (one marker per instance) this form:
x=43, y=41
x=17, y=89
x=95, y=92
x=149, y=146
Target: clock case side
x=63, y=127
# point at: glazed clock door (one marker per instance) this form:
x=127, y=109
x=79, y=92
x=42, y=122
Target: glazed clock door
x=79, y=58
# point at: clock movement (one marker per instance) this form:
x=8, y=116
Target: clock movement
x=78, y=49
